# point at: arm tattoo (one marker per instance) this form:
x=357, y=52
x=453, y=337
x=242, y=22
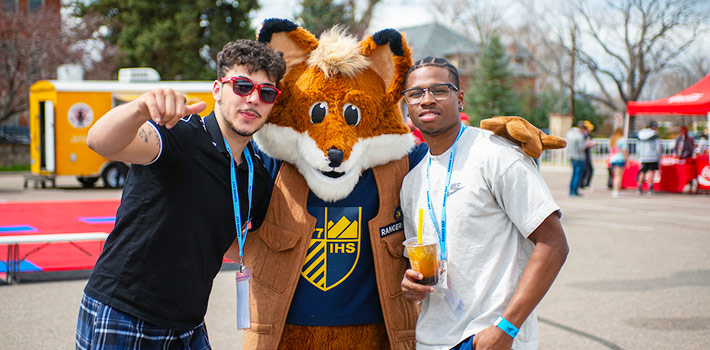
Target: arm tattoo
x=143, y=135
x=155, y=135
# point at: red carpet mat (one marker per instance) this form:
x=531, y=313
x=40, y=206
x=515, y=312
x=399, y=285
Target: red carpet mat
x=32, y=218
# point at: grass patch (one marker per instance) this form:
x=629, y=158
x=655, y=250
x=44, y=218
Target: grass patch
x=16, y=167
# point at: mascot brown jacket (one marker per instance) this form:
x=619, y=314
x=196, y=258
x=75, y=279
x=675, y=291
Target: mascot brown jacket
x=278, y=248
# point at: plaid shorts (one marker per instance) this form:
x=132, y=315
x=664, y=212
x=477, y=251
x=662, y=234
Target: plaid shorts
x=101, y=327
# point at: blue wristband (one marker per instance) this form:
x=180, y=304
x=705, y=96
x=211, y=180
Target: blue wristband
x=506, y=326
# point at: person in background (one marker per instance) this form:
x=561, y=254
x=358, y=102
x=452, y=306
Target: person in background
x=684, y=146
x=464, y=118
x=618, y=156
x=610, y=178
x=588, y=168
x=649, y=150
x=415, y=131
x=702, y=144
x=576, y=144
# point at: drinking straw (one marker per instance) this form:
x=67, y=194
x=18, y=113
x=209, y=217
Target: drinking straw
x=419, y=227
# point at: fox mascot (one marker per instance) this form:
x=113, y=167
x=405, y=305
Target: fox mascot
x=326, y=264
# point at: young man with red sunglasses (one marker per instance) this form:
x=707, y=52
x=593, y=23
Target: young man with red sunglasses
x=191, y=186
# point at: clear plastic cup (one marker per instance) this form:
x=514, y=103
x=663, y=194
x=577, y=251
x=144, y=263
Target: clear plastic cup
x=424, y=258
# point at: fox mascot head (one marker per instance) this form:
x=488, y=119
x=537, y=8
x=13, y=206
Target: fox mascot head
x=338, y=114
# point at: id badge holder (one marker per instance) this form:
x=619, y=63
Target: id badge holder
x=443, y=264
x=452, y=298
x=242, y=278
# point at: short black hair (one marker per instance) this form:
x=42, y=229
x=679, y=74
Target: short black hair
x=254, y=55
x=435, y=62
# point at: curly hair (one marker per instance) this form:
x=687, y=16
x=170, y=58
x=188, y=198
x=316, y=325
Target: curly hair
x=254, y=55
x=435, y=62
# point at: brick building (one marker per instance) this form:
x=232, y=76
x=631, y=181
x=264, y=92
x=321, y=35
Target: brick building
x=436, y=40
x=14, y=16
x=28, y=6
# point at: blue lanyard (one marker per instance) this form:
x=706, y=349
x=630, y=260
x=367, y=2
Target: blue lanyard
x=241, y=235
x=441, y=231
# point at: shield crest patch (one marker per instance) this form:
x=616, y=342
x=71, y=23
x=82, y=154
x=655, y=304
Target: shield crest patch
x=334, y=248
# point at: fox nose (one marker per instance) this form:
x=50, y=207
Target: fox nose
x=335, y=156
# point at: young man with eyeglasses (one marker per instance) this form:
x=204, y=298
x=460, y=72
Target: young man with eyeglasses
x=497, y=225
x=193, y=183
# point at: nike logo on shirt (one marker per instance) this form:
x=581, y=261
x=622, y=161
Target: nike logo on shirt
x=454, y=188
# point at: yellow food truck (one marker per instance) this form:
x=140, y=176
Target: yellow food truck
x=61, y=113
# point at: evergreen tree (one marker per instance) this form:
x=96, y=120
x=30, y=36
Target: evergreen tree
x=179, y=38
x=546, y=102
x=557, y=101
x=585, y=110
x=319, y=15
x=491, y=93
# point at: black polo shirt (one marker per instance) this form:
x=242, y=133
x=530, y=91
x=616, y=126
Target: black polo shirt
x=174, y=224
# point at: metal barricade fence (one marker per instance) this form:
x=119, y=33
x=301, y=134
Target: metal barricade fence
x=558, y=158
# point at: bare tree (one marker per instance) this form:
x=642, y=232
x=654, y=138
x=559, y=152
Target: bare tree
x=477, y=19
x=362, y=21
x=98, y=57
x=32, y=46
x=319, y=15
x=28, y=52
x=698, y=65
x=623, y=43
x=677, y=77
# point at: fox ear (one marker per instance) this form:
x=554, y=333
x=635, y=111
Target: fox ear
x=283, y=35
x=390, y=57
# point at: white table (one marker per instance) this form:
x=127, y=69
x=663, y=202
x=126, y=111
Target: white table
x=13, y=247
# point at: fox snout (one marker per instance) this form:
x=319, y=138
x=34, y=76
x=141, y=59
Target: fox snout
x=335, y=156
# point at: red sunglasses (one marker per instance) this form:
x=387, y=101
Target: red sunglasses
x=244, y=87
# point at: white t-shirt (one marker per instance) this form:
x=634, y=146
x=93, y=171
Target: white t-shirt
x=497, y=198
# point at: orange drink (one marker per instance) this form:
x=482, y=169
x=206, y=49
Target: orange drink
x=424, y=259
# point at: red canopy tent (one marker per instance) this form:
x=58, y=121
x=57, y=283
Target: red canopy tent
x=695, y=100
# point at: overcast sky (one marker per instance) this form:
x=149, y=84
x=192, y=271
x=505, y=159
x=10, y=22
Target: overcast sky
x=388, y=13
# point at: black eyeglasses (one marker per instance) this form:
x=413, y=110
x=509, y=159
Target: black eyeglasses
x=244, y=87
x=439, y=92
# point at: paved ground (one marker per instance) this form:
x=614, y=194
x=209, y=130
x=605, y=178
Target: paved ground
x=637, y=277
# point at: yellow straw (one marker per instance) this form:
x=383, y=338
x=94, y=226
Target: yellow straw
x=419, y=228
